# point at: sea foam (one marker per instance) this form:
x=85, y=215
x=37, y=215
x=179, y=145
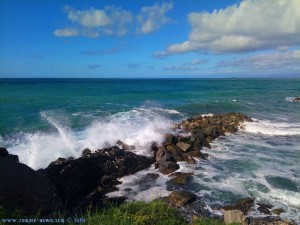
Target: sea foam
x=135, y=127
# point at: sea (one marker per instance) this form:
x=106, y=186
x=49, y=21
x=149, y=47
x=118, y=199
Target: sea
x=43, y=119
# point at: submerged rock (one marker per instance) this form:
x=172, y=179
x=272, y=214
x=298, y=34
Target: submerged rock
x=181, y=178
x=296, y=99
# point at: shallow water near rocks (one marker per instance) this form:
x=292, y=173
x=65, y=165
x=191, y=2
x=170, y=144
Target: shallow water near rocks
x=41, y=120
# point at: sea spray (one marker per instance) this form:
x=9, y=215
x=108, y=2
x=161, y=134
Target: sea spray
x=135, y=127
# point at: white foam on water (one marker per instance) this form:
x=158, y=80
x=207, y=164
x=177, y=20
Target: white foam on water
x=135, y=189
x=134, y=127
x=272, y=128
x=290, y=99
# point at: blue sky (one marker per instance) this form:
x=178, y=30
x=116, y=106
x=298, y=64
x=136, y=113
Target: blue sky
x=120, y=39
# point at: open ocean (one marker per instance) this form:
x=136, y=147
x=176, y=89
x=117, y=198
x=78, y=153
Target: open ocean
x=43, y=119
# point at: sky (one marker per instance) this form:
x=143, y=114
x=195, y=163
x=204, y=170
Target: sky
x=149, y=39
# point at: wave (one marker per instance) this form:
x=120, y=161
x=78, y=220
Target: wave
x=135, y=127
x=290, y=99
x=272, y=128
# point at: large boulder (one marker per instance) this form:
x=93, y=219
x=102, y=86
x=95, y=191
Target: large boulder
x=76, y=178
x=24, y=189
x=234, y=216
x=180, y=198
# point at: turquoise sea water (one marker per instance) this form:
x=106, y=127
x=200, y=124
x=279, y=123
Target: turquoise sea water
x=43, y=119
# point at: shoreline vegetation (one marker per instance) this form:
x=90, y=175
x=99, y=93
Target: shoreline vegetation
x=71, y=187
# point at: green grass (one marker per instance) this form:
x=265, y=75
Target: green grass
x=138, y=213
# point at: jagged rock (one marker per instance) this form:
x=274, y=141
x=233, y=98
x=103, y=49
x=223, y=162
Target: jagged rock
x=181, y=178
x=264, y=208
x=244, y=205
x=3, y=152
x=180, y=198
x=234, y=216
x=296, y=99
x=24, y=189
x=188, y=158
x=196, y=154
x=270, y=220
x=170, y=139
x=167, y=167
x=183, y=146
x=85, y=152
x=176, y=152
x=152, y=176
x=77, y=178
x=278, y=211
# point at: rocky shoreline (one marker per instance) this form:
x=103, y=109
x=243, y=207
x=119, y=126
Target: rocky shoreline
x=71, y=185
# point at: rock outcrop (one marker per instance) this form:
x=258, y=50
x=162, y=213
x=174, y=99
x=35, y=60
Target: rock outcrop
x=75, y=179
x=23, y=188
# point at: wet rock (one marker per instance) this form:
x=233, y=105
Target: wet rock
x=270, y=220
x=153, y=176
x=170, y=139
x=24, y=189
x=278, y=211
x=204, y=156
x=128, y=147
x=196, y=154
x=181, y=178
x=86, y=152
x=167, y=167
x=3, y=152
x=183, y=146
x=296, y=99
x=176, y=152
x=77, y=178
x=188, y=158
x=264, y=208
x=244, y=205
x=234, y=216
x=180, y=198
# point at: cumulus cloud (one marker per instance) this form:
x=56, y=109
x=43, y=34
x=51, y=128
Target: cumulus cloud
x=92, y=22
x=66, y=32
x=288, y=60
x=247, y=26
x=116, y=21
x=151, y=18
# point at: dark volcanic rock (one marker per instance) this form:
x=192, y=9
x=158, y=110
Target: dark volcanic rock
x=25, y=189
x=77, y=178
x=180, y=198
x=264, y=208
x=85, y=152
x=3, y=152
x=296, y=99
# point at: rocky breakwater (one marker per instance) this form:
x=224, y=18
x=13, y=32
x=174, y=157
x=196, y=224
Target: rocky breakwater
x=66, y=184
x=191, y=136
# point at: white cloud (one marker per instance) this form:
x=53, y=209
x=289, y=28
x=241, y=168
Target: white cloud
x=92, y=22
x=288, y=61
x=66, y=32
x=151, y=18
x=248, y=26
x=112, y=20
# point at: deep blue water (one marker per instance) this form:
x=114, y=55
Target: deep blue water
x=43, y=119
